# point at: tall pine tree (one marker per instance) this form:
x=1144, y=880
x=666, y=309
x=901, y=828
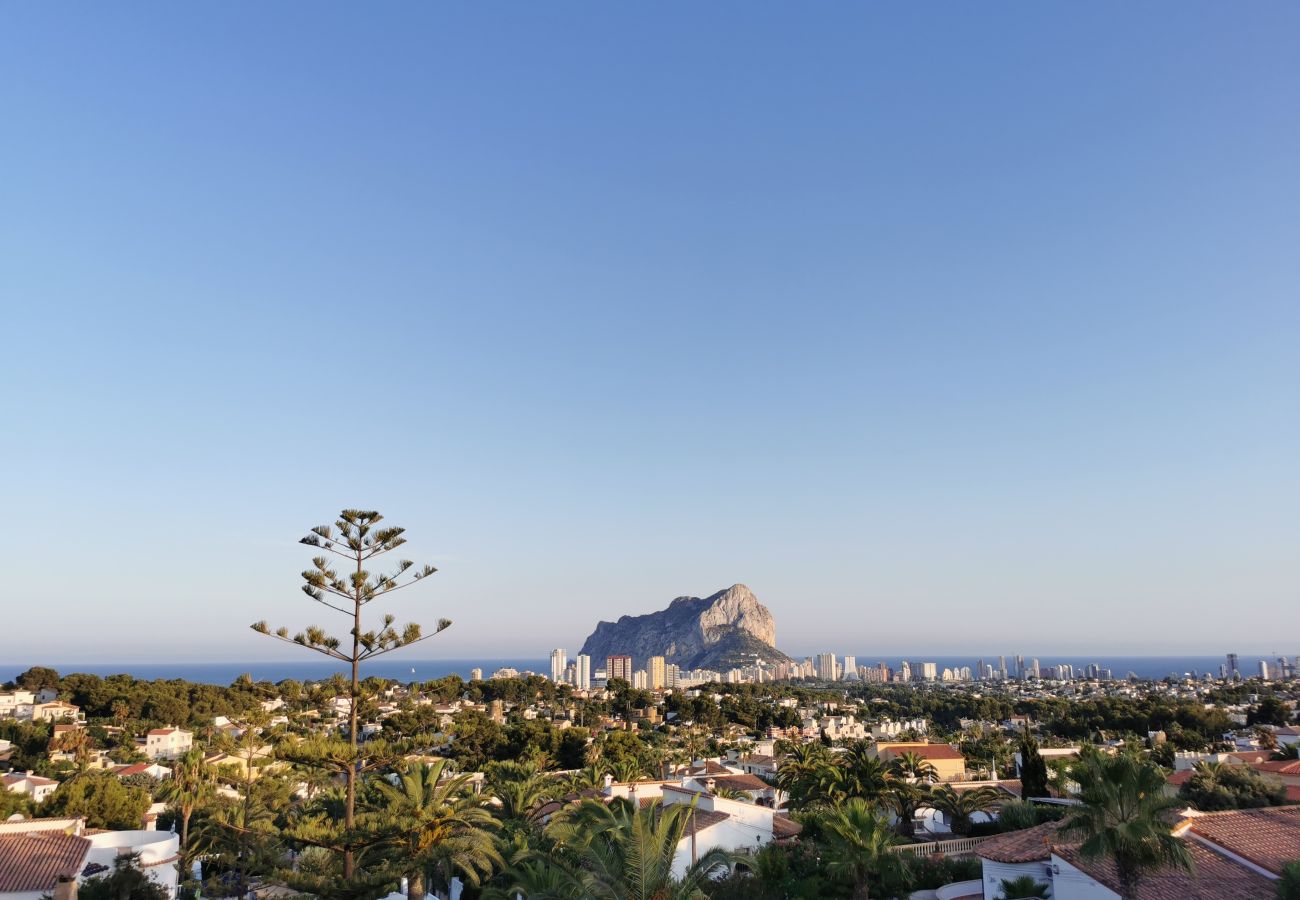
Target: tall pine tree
x=358, y=539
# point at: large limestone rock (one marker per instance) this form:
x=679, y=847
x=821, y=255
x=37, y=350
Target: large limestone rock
x=729, y=628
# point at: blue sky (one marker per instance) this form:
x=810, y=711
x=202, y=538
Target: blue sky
x=964, y=328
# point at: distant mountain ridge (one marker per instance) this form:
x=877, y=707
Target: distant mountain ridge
x=722, y=631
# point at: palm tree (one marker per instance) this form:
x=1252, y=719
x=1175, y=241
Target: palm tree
x=1023, y=888
x=960, y=806
x=857, y=841
x=621, y=852
x=727, y=793
x=627, y=770
x=121, y=711
x=537, y=879
x=826, y=785
x=803, y=774
x=437, y=824
x=693, y=742
x=914, y=767
x=521, y=798
x=906, y=797
x=77, y=742
x=591, y=776
x=192, y=783
x=865, y=775
x=1121, y=818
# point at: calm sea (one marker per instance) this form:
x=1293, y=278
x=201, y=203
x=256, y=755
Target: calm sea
x=425, y=670
x=224, y=673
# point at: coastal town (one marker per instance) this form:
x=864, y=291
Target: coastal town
x=978, y=776
x=404, y=406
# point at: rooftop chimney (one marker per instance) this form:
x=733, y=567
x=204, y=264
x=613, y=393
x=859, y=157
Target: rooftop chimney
x=65, y=889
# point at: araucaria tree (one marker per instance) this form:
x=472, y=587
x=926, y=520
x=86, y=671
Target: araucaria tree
x=358, y=539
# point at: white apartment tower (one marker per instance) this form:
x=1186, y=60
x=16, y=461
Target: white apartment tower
x=582, y=672
x=559, y=659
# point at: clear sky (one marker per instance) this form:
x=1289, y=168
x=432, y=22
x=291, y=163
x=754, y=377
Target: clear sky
x=944, y=327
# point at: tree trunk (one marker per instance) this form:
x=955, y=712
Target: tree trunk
x=185, y=827
x=415, y=885
x=1128, y=881
x=861, y=890
x=351, y=810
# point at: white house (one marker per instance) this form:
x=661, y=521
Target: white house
x=731, y=825
x=37, y=854
x=167, y=743
x=889, y=729
x=11, y=701
x=716, y=822
x=34, y=786
x=54, y=711
x=153, y=770
x=1236, y=854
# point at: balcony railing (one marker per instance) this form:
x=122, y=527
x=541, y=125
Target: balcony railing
x=956, y=847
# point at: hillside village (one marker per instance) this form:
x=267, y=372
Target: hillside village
x=746, y=763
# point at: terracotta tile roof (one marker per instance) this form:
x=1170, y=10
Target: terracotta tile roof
x=709, y=768
x=701, y=819
x=1269, y=837
x=1252, y=756
x=546, y=809
x=925, y=751
x=1279, y=766
x=785, y=827
x=30, y=826
x=133, y=769
x=1012, y=786
x=20, y=777
x=1028, y=845
x=34, y=862
x=1178, y=779
x=1215, y=878
x=741, y=782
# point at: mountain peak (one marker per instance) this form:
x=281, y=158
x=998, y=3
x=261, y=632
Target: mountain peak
x=725, y=629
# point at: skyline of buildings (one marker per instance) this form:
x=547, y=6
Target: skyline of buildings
x=657, y=674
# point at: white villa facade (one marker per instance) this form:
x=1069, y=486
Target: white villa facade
x=167, y=743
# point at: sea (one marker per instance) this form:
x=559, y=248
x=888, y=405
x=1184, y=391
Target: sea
x=225, y=673
x=408, y=670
